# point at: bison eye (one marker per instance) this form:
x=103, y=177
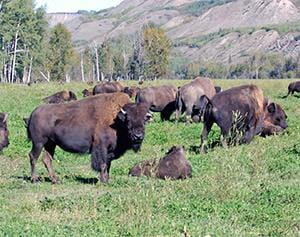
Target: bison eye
x=278, y=119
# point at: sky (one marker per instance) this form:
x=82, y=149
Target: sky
x=75, y=5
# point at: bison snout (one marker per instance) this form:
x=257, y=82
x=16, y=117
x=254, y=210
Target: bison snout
x=138, y=136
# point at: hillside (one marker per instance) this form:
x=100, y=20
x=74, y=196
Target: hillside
x=213, y=30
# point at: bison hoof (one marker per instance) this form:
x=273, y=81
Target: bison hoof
x=35, y=179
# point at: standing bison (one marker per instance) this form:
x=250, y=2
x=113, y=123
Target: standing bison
x=104, y=125
x=173, y=166
x=160, y=99
x=107, y=87
x=60, y=97
x=189, y=95
x=241, y=108
x=293, y=87
x=3, y=131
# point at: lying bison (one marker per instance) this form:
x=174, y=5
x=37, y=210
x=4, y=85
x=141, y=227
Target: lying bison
x=189, y=95
x=60, y=97
x=4, y=142
x=160, y=99
x=241, y=108
x=173, y=166
x=104, y=125
x=293, y=87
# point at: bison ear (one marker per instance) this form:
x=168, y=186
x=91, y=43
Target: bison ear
x=272, y=108
x=122, y=115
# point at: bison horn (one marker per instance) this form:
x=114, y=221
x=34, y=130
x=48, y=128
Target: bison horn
x=123, y=111
x=5, y=117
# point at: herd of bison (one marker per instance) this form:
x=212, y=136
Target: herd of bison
x=106, y=123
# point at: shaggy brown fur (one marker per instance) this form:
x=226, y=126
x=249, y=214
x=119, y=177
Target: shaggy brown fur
x=60, y=97
x=105, y=125
x=247, y=101
x=4, y=142
x=107, y=87
x=160, y=99
x=293, y=87
x=173, y=166
x=189, y=95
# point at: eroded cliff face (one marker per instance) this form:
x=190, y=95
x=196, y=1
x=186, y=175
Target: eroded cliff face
x=182, y=25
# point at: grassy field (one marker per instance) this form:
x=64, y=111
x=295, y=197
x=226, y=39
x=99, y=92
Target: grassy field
x=247, y=190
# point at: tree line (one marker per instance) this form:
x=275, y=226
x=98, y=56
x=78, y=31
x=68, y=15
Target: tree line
x=30, y=51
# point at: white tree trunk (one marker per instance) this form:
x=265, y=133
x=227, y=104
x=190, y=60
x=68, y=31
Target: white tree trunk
x=97, y=64
x=30, y=69
x=82, y=69
x=13, y=72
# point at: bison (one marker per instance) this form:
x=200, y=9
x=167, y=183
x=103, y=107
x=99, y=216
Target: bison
x=86, y=93
x=160, y=99
x=4, y=142
x=107, y=87
x=293, y=87
x=173, y=166
x=241, y=109
x=189, y=94
x=218, y=89
x=60, y=97
x=105, y=126
x=273, y=124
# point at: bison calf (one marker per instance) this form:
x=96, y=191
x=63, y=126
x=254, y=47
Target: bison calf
x=105, y=125
x=4, y=142
x=173, y=166
x=60, y=97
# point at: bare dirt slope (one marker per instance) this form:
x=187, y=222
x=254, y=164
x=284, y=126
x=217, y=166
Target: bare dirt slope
x=185, y=23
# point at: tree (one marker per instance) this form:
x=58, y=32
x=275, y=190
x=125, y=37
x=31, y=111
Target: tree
x=61, y=54
x=157, y=51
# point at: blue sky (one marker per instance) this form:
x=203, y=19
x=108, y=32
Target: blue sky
x=75, y=5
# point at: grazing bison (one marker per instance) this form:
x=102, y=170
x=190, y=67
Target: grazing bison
x=293, y=87
x=274, y=120
x=4, y=142
x=60, y=97
x=107, y=87
x=86, y=93
x=160, y=99
x=241, y=108
x=104, y=125
x=189, y=95
x=174, y=166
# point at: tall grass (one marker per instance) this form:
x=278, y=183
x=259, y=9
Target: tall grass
x=246, y=190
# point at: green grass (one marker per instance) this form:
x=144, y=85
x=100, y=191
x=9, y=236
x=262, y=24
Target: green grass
x=247, y=190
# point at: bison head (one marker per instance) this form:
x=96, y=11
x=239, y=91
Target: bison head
x=275, y=115
x=72, y=96
x=3, y=131
x=86, y=93
x=134, y=117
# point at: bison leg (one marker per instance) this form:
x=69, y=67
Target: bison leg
x=100, y=163
x=49, y=153
x=206, y=129
x=33, y=156
x=167, y=111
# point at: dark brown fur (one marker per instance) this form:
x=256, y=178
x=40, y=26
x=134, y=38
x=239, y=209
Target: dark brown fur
x=172, y=166
x=160, y=99
x=189, y=95
x=293, y=87
x=247, y=100
x=105, y=125
x=107, y=87
x=60, y=97
x=86, y=93
x=4, y=142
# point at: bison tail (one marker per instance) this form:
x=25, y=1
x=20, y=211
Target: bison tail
x=27, y=123
x=178, y=101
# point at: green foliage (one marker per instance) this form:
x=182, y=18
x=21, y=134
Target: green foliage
x=61, y=52
x=240, y=191
x=157, y=50
x=198, y=7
